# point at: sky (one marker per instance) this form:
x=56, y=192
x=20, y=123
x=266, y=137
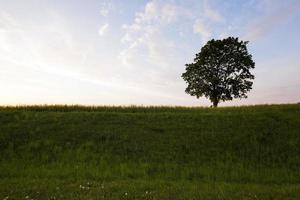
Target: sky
x=133, y=52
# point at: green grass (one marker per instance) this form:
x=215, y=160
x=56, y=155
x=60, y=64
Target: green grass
x=75, y=152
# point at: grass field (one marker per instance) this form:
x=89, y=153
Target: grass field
x=72, y=152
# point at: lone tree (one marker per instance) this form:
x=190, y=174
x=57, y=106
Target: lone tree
x=221, y=71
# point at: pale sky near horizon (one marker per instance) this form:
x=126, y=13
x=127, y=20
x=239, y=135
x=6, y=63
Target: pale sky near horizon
x=125, y=52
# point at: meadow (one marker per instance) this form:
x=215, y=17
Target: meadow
x=176, y=153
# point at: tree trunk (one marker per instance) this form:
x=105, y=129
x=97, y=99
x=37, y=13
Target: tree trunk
x=215, y=103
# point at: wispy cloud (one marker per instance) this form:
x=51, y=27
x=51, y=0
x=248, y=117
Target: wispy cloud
x=47, y=47
x=210, y=13
x=204, y=24
x=44, y=54
x=103, y=29
x=204, y=31
x=274, y=16
x=105, y=8
x=146, y=33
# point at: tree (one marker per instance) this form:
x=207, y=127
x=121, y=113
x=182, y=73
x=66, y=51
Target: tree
x=221, y=71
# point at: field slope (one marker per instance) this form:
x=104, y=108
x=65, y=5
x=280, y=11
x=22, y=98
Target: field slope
x=72, y=152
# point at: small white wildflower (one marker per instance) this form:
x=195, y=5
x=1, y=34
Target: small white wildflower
x=125, y=193
x=27, y=197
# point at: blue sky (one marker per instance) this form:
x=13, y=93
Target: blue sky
x=122, y=52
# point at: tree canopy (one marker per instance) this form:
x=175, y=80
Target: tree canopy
x=221, y=71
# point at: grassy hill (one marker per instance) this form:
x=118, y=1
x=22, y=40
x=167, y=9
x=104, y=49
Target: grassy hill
x=72, y=152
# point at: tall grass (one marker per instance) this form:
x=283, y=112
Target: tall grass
x=254, y=145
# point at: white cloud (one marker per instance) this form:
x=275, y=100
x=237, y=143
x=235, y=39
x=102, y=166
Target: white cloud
x=169, y=12
x=158, y=11
x=103, y=29
x=104, y=12
x=212, y=14
x=51, y=60
x=105, y=8
x=146, y=33
x=209, y=18
x=200, y=28
x=150, y=56
x=151, y=12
